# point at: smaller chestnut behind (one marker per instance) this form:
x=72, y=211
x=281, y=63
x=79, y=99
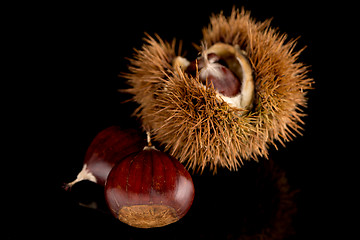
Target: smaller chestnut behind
x=110, y=146
x=107, y=148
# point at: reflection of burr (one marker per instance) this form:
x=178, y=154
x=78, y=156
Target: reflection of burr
x=277, y=205
x=256, y=203
x=195, y=121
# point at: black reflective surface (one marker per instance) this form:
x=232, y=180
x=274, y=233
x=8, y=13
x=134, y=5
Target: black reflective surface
x=84, y=48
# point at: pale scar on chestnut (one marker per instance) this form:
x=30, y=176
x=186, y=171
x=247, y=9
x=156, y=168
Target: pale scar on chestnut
x=148, y=216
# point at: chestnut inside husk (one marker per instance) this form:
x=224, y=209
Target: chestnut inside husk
x=227, y=69
x=215, y=71
x=194, y=120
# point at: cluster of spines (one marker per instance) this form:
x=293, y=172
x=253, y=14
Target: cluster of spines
x=195, y=125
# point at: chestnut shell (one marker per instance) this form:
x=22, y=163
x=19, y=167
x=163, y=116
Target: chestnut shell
x=110, y=146
x=149, y=189
x=227, y=83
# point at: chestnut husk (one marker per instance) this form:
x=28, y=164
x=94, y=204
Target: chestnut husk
x=200, y=129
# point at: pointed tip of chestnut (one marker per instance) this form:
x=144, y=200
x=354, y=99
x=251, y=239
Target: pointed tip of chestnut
x=66, y=187
x=107, y=148
x=149, y=189
x=84, y=174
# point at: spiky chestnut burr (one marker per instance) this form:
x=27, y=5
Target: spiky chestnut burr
x=108, y=147
x=200, y=127
x=149, y=189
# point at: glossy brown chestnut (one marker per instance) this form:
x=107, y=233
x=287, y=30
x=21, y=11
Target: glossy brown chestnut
x=107, y=148
x=214, y=70
x=149, y=189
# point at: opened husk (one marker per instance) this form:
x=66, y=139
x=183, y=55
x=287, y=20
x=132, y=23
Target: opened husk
x=196, y=126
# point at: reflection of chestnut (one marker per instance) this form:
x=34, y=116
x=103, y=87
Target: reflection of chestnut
x=108, y=147
x=149, y=189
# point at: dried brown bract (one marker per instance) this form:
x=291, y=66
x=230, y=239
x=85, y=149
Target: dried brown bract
x=198, y=124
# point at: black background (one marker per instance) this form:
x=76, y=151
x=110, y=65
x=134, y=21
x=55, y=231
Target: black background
x=67, y=60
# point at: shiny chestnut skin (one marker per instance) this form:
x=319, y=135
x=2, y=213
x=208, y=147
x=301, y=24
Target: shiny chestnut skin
x=107, y=148
x=110, y=146
x=214, y=70
x=149, y=189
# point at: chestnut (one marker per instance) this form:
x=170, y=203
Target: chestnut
x=108, y=147
x=214, y=70
x=227, y=69
x=149, y=189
